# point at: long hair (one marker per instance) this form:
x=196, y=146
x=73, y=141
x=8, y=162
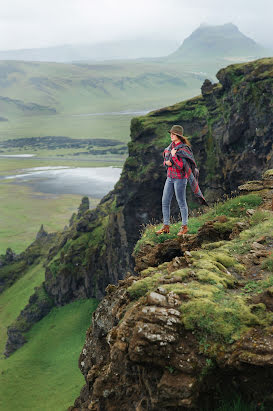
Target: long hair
x=184, y=140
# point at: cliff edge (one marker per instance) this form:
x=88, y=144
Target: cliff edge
x=197, y=322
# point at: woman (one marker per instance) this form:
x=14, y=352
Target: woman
x=181, y=168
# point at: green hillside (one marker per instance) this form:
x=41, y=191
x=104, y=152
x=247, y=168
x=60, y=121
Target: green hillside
x=44, y=374
x=47, y=364
x=40, y=99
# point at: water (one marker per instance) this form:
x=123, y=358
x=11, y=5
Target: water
x=90, y=181
x=17, y=155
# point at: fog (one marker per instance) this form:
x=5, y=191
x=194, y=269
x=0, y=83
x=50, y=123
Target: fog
x=39, y=23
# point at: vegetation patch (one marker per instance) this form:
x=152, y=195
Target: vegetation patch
x=234, y=209
x=45, y=370
x=258, y=286
x=222, y=318
x=141, y=287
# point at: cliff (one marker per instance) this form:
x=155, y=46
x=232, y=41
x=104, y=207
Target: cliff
x=230, y=128
x=196, y=324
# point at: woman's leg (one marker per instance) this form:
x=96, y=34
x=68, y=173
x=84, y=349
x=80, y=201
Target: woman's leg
x=166, y=200
x=180, y=186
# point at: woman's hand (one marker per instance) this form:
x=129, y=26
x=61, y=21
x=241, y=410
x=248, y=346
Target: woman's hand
x=168, y=163
x=173, y=152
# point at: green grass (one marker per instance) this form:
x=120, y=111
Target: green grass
x=44, y=374
x=234, y=209
x=22, y=211
x=235, y=403
x=16, y=297
x=81, y=89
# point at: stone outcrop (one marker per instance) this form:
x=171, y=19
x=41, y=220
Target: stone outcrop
x=230, y=127
x=195, y=324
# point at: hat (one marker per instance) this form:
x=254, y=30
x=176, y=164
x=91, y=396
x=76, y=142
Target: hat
x=178, y=130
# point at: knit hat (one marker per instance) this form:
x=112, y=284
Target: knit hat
x=178, y=130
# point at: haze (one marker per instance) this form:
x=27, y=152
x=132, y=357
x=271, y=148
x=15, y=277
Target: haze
x=35, y=24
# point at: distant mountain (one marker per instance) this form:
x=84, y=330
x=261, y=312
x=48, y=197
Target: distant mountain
x=223, y=41
x=125, y=49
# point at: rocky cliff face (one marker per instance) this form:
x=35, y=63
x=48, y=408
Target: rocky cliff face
x=230, y=127
x=194, y=327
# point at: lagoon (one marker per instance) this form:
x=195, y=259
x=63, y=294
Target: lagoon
x=90, y=181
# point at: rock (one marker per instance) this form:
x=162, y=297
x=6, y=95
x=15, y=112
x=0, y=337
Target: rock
x=10, y=256
x=257, y=246
x=250, y=212
x=251, y=186
x=261, y=239
x=268, y=175
x=84, y=206
x=156, y=299
x=162, y=290
x=41, y=233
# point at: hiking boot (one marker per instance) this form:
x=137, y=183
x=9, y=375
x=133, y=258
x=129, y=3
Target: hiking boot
x=183, y=230
x=165, y=229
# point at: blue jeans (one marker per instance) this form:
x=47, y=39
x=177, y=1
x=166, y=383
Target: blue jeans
x=178, y=186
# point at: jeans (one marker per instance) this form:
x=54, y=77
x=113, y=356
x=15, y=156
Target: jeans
x=178, y=186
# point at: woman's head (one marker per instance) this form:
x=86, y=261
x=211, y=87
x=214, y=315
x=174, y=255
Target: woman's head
x=177, y=134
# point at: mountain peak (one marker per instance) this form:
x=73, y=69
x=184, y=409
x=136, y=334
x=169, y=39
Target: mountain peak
x=215, y=41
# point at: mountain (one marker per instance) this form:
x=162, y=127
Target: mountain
x=67, y=53
x=230, y=127
x=223, y=41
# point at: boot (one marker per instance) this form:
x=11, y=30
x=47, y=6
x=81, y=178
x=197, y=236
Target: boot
x=165, y=229
x=183, y=230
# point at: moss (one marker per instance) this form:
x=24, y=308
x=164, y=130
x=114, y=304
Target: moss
x=141, y=287
x=264, y=228
x=259, y=216
x=193, y=289
x=148, y=271
x=212, y=246
x=268, y=174
x=226, y=226
x=267, y=264
x=224, y=320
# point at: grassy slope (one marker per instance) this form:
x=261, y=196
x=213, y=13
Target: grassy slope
x=15, y=298
x=74, y=89
x=23, y=211
x=44, y=374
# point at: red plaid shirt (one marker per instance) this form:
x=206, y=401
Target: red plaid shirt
x=176, y=170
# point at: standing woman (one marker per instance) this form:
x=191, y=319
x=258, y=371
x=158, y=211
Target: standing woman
x=181, y=168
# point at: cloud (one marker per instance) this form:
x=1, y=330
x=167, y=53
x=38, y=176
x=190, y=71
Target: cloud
x=37, y=23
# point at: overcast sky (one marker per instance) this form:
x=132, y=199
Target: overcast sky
x=43, y=23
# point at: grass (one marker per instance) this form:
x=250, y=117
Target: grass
x=236, y=403
x=73, y=89
x=23, y=210
x=16, y=297
x=44, y=374
x=212, y=312
x=234, y=208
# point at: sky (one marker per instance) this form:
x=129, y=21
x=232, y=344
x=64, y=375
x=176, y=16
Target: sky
x=44, y=23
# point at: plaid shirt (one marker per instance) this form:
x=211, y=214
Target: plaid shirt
x=176, y=170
